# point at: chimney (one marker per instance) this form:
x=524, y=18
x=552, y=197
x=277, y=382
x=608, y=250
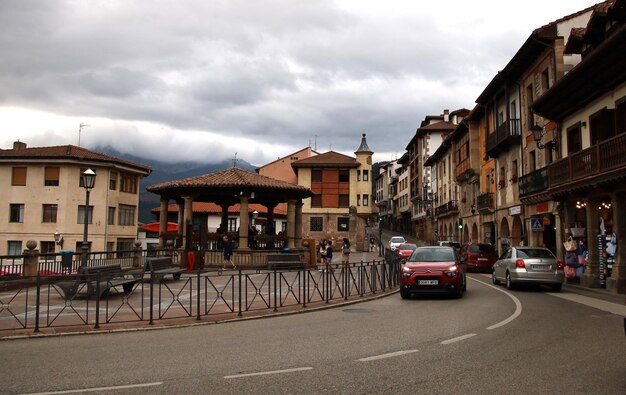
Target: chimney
x=446, y=115
x=18, y=145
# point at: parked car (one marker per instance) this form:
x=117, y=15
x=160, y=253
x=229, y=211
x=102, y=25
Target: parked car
x=478, y=256
x=395, y=241
x=454, y=244
x=535, y=265
x=434, y=269
x=405, y=250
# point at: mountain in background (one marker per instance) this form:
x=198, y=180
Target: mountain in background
x=163, y=172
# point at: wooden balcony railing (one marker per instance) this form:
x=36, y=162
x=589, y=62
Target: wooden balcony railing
x=590, y=162
x=447, y=208
x=534, y=182
x=485, y=202
x=505, y=134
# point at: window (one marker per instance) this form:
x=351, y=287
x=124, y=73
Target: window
x=532, y=158
x=113, y=181
x=316, y=175
x=514, y=169
x=232, y=224
x=47, y=247
x=126, y=215
x=317, y=224
x=316, y=201
x=366, y=199
x=529, y=103
x=343, y=224
x=16, y=213
x=620, y=115
x=358, y=200
x=14, y=247
x=18, y=177
x=111, y=216
x=358, y=175
x=128, y=183
x=602, y=125
x=125, y=244
x=344, y=200
x=51, y=177
x=574, y=139
x=81, y=215
x=545, y=80
x=366, y=175
x=344, y=175
x=49, y=213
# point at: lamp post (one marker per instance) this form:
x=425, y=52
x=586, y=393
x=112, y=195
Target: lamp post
x=89, y=179
x=58, y=239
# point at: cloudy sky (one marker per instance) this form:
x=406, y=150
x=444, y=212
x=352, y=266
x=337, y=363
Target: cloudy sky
x=201, y=80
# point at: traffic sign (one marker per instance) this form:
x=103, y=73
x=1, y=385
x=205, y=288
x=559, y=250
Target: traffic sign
x=536, y=224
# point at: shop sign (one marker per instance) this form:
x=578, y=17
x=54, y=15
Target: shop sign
x=515, y=210
x=536, y=224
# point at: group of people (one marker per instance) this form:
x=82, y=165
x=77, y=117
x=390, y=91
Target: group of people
x=326, y=252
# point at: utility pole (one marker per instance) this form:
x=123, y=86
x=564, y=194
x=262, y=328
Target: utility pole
x=80, y=129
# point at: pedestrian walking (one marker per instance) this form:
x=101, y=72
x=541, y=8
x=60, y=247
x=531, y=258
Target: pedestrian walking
x=329, y=254
x=371, y=244
x=322, y=251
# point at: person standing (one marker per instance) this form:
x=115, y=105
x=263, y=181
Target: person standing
x=228, y=252
x=329, y=254
x=345, y=252
x=322, y=251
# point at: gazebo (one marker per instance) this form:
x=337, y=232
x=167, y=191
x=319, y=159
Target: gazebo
x=226, y=188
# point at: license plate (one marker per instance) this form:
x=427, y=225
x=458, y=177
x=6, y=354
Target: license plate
x=427, y=282
x=482, y=259
x=541, y=267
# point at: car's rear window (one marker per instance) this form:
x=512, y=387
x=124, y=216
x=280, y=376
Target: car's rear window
x=534, y=253
x=482, y=248
x=407, y=247
x=433, y=255
x=397, y=240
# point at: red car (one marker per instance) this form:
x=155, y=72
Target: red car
x=405, y=250
x=433, y=270
x=479, y=257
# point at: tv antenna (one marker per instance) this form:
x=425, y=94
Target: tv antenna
x=80, y=129
x=235, y=160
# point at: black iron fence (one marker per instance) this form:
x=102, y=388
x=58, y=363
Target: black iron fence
x=36, y=304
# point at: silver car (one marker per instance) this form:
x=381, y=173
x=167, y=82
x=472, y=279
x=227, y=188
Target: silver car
x=528, y=265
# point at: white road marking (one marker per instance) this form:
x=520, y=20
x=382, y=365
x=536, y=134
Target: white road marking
x=609, y=307
x=389, y=355
x=97, y=389
x=236, y=376
x=458, y=339
x=518, y=305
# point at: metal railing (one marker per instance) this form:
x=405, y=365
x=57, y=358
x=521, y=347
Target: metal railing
x=534, y=182
x=34, y=304
x=452, y=206
x=485, y=201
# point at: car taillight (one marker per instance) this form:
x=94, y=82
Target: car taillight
x=560, y=265
x=520, y=263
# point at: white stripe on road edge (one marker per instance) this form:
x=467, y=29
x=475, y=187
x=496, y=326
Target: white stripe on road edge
x=458, y=339
x=609, y=307
x=236, y=376
x=518, y=305
x=96, y=389
x=390, y=355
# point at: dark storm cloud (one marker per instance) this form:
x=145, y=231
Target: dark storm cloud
x=274, y=74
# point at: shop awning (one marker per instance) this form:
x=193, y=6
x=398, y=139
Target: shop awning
x=172, y=227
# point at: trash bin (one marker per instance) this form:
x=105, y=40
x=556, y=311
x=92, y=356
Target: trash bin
x=66, y=260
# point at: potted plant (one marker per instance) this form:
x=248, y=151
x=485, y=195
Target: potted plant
x=501, y=183
x=513, y=179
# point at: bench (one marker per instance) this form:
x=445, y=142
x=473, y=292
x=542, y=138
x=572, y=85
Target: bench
x=284, y=261
x=158, y=268
x=98, y=280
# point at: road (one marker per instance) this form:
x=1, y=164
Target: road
x=491, y=341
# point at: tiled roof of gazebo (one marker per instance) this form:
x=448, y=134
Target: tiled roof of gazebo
x=231, y=178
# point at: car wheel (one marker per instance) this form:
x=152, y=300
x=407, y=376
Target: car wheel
x=557, y=287
x=405, y=294
x=509, y=283
x=494, y=279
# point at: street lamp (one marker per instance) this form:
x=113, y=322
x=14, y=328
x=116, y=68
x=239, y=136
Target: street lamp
x=58, y=239
x=89, y=179
x=538, y=133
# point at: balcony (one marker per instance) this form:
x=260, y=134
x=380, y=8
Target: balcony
x=505, y=135
x=534, y=182
x=485, y=202
x=464, y=171
x=447, y=208
x=590, y=166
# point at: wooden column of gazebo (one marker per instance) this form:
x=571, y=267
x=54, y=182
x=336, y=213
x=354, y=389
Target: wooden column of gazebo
x=226, y=188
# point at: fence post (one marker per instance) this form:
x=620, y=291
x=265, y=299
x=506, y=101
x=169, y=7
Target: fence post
x=37, y=303
x=97, y=301
x=305, y=291
x=198, y=295
x=239, y=276
x=151, y=298
x=361, y=285
x=31, y=259
x=275, y=290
